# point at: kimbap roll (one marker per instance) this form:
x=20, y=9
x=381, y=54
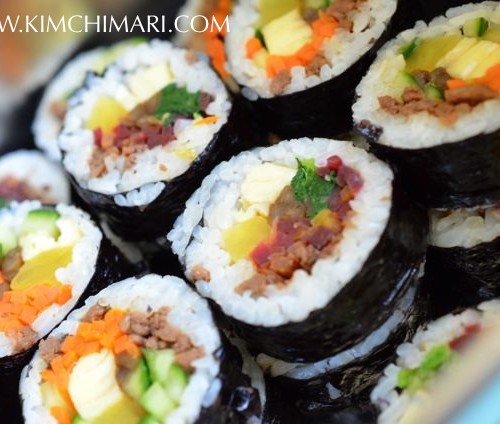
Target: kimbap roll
x=139, y=139
x=152, y=347
x=50, y=258
x=463, y=254
x=298, y=62
x=430, y=104
x=29, y=175
x=52, y=109
x=409, y=381
x=290, y=243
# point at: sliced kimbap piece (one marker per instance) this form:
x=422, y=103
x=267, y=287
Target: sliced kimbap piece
x=430, y=104
x=52, y=109
x=29, y=175
x=291, y=245
x=151, y=345
x=49, y=259
x=138, y=140
x=409, y=382
x=298, y=62
x=463, y=255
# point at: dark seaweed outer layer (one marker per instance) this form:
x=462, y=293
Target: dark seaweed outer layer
x=238, y=400
x=355, y=380
x=111, y=266
x=325, y=110
x=466, y=276
x=360, y=307
x=453, y=175
x=435, y=8
x=155, y=219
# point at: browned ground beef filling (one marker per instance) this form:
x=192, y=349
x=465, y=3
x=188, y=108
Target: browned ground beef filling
x=297, y=242
x=13, y=189
x=455, y=101
x=139, y=131
x=149, y=330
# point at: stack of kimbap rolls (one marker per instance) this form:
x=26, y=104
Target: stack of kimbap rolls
x=142, y=350
x=312, y=274
x=138, y=140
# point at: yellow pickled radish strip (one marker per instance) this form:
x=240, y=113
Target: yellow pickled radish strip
x=430, y=52
x=240, y=239
x=41, y=269
x=326, y=218
x=106, y=115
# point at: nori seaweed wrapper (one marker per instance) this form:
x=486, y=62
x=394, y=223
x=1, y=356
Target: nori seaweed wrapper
x=434, y=8
x=342, y=394
x=110, y=266
x=238, y=400
x=149, y=222
x=463, y=174
x=325, y=110
x=465, y=276
x=364, y=303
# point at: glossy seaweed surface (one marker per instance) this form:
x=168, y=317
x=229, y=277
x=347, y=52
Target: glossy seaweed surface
x=360, y=307
x=238, y=400
x=342, y=394
x=155, y=219
x=325, y=110
x=452, y=175
x=469, y=275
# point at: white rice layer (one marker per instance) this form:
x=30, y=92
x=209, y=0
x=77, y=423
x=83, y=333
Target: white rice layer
x=341, y=51
x=394, y=405
x=276, y=367
x=421, y=130
x=188, y=312
x=77, y=274
x=33, y=168
x=156, y=165
x=464, y=227
x=197, y=234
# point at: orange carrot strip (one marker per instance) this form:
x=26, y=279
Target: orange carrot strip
x=28, y=314
x=91, y=347
x=455, y=83
x=132, y=349
x=61, y=415
x=69, y=358
x=121, y=344
x=65, y=294
x=252, y=47
x=207, y=120
x=48, y=375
